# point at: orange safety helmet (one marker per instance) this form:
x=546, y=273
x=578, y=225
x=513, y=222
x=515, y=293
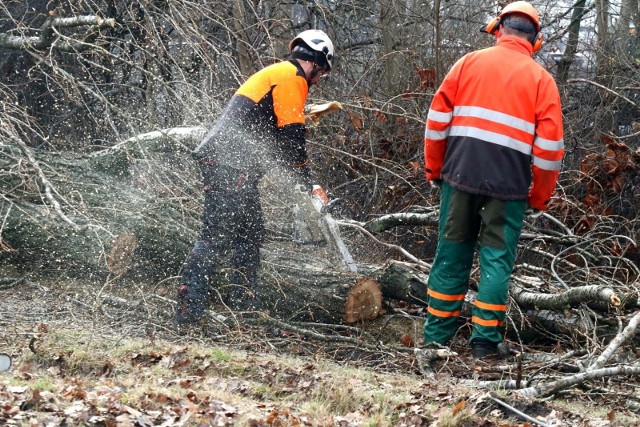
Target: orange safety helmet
x=522, y=8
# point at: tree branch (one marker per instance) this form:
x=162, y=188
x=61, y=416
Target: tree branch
x=46, y=38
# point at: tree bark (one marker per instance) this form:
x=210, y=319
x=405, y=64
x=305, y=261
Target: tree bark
x=572, y=43
x=307, y=283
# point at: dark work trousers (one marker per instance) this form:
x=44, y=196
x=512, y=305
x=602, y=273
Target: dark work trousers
x=233, y=230
x=469, y=222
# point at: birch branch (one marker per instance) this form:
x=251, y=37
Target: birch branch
x=48, y=188
x=621, y=338
x=559, y=301
x=180, y=134
x=549, y=389
x=46, y=38
x=385, y=222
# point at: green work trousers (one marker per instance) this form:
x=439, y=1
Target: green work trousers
x=468, y=221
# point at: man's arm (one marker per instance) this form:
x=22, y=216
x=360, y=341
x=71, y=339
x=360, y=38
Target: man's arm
x=548, y=145
x=289, y=98
x=439, y=122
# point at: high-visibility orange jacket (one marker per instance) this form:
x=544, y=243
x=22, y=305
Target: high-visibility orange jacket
x=263, y=123
x=495, y=126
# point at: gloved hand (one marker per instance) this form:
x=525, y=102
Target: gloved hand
x=318, y=191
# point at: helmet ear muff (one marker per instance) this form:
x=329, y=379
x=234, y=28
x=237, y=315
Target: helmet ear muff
x=537, y=41
x=493, y=25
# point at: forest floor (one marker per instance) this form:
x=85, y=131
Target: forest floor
x=108, y=355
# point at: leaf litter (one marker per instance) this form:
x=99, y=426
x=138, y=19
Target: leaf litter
x=76, y=364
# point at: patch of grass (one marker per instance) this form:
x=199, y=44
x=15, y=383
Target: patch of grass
x=344, y=391
x=43, y=384
x=461, y=418
x=221, y=355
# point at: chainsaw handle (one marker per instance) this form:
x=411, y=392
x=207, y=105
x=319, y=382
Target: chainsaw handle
x=319, y=192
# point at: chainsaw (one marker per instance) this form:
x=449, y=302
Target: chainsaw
x=314, y=223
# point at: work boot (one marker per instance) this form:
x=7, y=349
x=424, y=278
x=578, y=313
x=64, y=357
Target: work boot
x=483, y=349
x=188, y=312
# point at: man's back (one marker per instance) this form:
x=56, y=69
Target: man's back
x=499, y=100
x=246, y=134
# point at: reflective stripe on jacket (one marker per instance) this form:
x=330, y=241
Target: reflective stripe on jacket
x=495, y=126
x=263, y=121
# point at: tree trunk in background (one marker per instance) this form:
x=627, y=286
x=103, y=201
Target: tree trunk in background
x=625, y=40
x=242, y=41
x=392, y=79
x=572, y=43
x=436, y=49
x=603, y=52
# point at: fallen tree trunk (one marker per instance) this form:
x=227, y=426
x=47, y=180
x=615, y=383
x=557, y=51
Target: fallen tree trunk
x=309, y=284
x=145, y=188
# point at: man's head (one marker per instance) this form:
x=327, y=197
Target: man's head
x=518, y=18
x=315, y=47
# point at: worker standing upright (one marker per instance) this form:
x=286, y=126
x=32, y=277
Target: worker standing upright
x=494, y=142
x=262, y=127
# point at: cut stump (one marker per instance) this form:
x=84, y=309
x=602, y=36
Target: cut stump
x=364, y=301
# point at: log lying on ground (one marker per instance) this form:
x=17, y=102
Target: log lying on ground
x=135, y=208
x=307, y=284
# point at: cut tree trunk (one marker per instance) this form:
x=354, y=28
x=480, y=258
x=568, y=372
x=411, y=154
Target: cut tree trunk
x=308, y=283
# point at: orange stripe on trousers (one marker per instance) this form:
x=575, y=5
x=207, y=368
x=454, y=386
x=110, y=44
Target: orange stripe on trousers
x=441, y=313
x=483, y=322
x=486, y=306
x=445, y=297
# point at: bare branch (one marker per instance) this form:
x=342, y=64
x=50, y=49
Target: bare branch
x=46, y=38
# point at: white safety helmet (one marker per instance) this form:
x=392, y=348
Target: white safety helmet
x=320, y=44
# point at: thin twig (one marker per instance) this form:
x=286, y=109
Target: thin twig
x=515, y=411
x=598, y=85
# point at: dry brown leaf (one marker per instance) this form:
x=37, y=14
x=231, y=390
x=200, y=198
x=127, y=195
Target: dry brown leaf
x=459, y=407
x=617, y=182
x=427, y=78
x=585, y=224
x=591, y=200
x=407, y=340
x=356, y=120
x=380, y=116
x=611, y=166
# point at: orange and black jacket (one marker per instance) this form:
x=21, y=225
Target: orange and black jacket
x=263, y=124
x=495, y=126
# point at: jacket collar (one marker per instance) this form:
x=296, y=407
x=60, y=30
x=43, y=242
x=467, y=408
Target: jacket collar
x=515, y=43
x=299, y=67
